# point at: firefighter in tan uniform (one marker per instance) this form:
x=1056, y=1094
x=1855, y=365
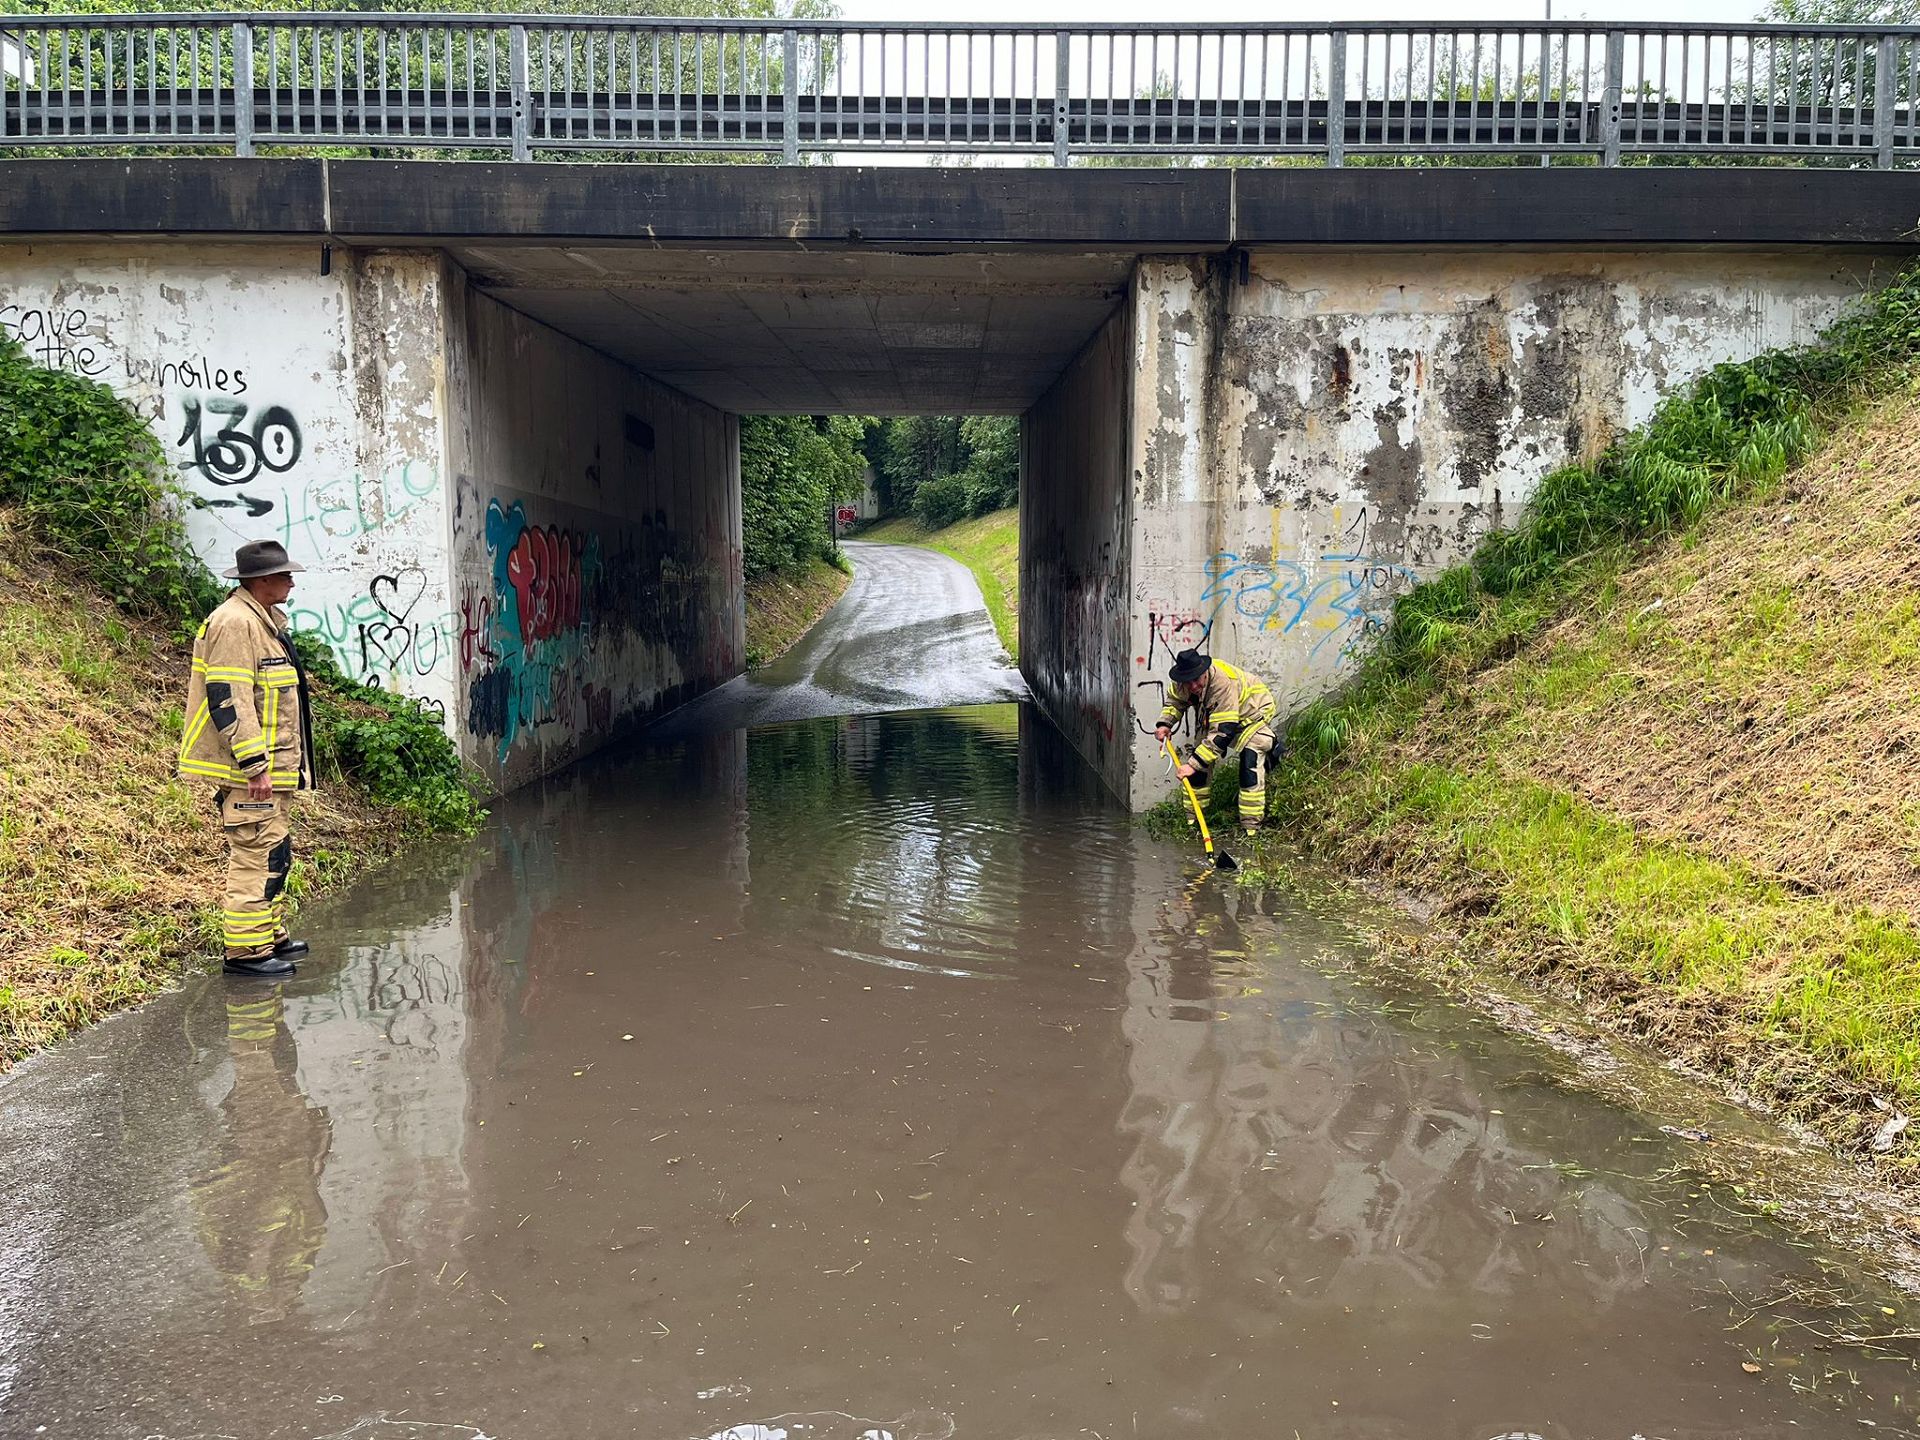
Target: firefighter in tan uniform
x=247, y=730
x=1236, y=714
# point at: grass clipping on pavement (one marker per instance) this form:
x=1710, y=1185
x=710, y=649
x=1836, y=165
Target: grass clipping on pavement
x=110, y=867
x=988, y=545
x=1675, y=775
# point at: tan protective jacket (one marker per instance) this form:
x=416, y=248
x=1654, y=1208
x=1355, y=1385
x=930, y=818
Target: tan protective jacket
x=246, y=700
x=1234, y=703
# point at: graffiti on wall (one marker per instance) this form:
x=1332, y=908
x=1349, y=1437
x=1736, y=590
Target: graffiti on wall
x=259, y=456
x=57, y=338
x=225, y=451
x=524, y=643
x=1342, y=598
x=383, y=637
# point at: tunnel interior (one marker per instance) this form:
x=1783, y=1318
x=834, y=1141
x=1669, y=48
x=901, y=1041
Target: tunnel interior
x=729, y=332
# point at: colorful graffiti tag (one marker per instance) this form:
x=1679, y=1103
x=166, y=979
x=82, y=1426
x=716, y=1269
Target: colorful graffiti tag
x=1346, y=593
x=533, y=631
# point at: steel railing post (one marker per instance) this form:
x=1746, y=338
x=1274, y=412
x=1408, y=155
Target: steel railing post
x=1063, y=50
x=1610, y=98
x=243, y=88
x=790, y=98
x=1884, y=100
x=522, y=96
x=1337, y=98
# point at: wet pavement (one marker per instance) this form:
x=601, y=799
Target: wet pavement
x=910, y=633
x=868, y=1078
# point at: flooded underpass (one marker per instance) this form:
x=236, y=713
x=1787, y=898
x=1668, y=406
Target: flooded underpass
x=866, y=1077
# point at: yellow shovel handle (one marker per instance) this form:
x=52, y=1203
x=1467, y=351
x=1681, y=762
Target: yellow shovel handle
x=1206, y=838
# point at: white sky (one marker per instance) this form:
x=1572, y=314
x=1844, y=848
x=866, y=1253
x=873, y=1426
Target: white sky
x=1200, y=12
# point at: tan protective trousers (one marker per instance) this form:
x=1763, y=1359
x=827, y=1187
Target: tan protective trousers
x=259, y=855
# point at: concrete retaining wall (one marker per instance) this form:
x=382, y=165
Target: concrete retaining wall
x=1314, y=435
x=595, y=522
x=1075, y=550
x=298, y=407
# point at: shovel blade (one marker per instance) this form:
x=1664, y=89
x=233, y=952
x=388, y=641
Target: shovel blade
x=1224, y=861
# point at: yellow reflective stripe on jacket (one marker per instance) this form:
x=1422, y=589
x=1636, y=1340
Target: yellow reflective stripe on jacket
x=269, y=725
x=194, y=727
x=232, y=673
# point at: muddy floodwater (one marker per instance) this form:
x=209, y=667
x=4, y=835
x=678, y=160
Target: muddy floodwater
x=868, y=1077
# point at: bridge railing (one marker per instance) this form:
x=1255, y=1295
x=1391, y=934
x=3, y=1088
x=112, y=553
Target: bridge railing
x=528, y=85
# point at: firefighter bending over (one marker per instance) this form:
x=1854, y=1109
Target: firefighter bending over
x=1236, y=715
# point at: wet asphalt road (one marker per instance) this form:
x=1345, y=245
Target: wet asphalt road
x=910, y=633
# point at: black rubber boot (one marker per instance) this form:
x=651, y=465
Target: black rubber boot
x=290, y=949
x=260, y=967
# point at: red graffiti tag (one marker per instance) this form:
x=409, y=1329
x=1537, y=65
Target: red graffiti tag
x=544, y=570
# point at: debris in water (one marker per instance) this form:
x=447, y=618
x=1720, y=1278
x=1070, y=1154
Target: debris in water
x=1686, y=1132
x=1884, y=1137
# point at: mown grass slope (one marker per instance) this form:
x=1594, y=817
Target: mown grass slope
x=109, y=866
x=783, y=606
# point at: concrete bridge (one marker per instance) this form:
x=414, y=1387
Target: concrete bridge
x=494, y=405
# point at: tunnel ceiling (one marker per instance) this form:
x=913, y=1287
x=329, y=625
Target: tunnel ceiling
x=820, y=331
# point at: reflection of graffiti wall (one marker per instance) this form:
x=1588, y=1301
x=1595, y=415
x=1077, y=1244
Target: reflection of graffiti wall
x=295, y=406
x=596, y=531
x=1313, y=434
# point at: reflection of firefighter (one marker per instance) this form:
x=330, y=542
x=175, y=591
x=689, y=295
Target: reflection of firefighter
x=259, y=1210
x=1236, y=714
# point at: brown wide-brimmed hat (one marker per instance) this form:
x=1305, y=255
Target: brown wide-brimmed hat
x=259, y=558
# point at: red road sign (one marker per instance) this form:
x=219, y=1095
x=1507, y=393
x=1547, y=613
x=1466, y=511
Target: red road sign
x=846, y=514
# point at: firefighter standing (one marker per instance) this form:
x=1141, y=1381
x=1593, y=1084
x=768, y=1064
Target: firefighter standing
x=247, y=730
x=1236, y=714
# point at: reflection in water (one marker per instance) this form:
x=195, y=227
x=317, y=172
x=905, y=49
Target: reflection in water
x=677, y=1106
x=258, y=1210
x=1282, y=1144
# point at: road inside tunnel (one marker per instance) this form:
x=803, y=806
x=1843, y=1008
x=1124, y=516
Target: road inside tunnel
x=910, y=633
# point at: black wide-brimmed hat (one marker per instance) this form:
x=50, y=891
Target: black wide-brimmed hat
x=259, y=558
x=1189, y=665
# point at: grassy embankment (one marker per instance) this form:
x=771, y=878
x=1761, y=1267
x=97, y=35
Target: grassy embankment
x=109, y=866
x=1659, y=750
x=784, y=606
x=988, y=545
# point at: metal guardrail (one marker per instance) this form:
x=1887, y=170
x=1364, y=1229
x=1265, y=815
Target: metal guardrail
x=531, y=84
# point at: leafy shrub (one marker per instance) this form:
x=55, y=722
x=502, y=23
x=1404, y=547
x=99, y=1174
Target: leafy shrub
x=792, y=470
x=388, y=745
x=89, y=478
x=940, y=502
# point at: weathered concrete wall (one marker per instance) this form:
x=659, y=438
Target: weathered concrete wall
x=1314, y=437
x=298, y=407
x=1075, y=549
x=596, y=541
